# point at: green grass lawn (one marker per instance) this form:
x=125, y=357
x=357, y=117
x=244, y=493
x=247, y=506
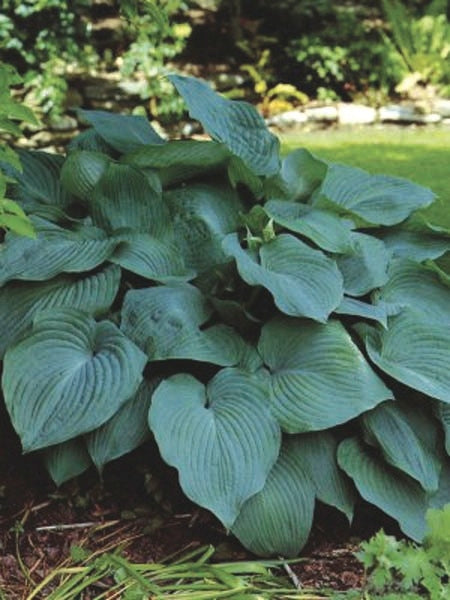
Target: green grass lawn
x=422, y=155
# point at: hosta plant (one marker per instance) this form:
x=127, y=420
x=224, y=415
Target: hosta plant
x=279, y=326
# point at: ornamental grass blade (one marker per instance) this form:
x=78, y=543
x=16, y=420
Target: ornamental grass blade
x=318, y=376
x=222, y=438
x=277, y=520
x=78, y=374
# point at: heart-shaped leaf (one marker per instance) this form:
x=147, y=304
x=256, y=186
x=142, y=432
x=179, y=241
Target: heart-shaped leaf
x=66, y=460
x=222, y=439
x=414, y=245
x=79, y=373
x=319, y=378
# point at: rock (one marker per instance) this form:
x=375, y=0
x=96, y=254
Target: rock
x=322, y=113
x=133, y=88
x=63, y=123
x=288, y=119
x=228, y=81
x=406, y=114
x=356, y=114
x=441, y=106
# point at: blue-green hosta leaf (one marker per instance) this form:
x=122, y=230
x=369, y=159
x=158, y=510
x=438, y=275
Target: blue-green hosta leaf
x=38, y=184
x=126, y=430
x=377, y=199
x=376, y=312
x=82, y=170
x=67, y=460
x=124, y=133
x=324, y=228
x=236, y=124
x=202, y=215
x=151, y=258
x=55, y=250
x=302, y=281
x=443, y=413
x=68, y=377
x=180, y=160
x=392, y=491
x=277, y=520
x=442, y=497
x=20, y=301
x=389, y=427
x=319, y=378
x=89, y=139
x=166, y=323
x=417, y=287
x=240, y=173
x=302, y=173
x=317, y=453
x=222, y=439
x=415, y=351
x=365, y=267
x=415, y=246
x=124, y=199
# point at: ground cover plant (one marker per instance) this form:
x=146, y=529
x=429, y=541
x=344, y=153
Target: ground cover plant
x=280, y=327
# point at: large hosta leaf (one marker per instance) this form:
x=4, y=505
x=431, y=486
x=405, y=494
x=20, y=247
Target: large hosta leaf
x=319, y=378
x=417, y=287
x=443, y=412
x=124, y=199
x=376, y=312
x=68, y=377
x=302, y=281
x=377, y=199
x=302, y=174
x=166, y=322
x=389, y=489
x=277, y=520
x=55, y=250
x=365, y=266
x=414, y=350
x=20, y=301
x=404, y=443
x=238, y=125
x=126, y=430
x=324, y=228
x=67, y=460
x=222, y=439
x=151, y=258
x=415, y=246
x=202, y=215
x=124, y=133
x=317, y=453
x=82, y=170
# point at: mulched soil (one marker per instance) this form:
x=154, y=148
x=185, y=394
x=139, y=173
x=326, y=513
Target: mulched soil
x=139, y=505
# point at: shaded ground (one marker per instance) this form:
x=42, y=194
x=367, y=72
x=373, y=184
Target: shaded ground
x=141, y=509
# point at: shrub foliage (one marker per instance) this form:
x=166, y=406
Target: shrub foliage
x=279, y=326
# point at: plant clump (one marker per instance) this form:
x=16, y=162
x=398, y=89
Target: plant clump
x=281, y=327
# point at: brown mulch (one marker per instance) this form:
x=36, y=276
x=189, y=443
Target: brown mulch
x=138, y=506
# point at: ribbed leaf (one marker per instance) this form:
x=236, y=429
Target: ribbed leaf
x=180, y=160
x=393, y=492
x=125, y=431
x=414, y=350
x=124, y=133
x=222, y=439
x=389, y=427
x=376, y=312
x=277, y=520
x=124, y=199
x=365, y=266
x=417, y=287
x=19, y=302
x=443, y=413
x=55, y=250
x=82, y=170
x=302, y=281
x=89, y=139
x=240, y=173
x=68, y=377
x=151, y=258
x=319, y=378
x=166, y=323
x=442, y=497
x=324, y=228
x=302, y=173
x=238, y=125
x=377, y=199
x=67, y=460
x=415, y=246
x=202, y=215
x=317, y=453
